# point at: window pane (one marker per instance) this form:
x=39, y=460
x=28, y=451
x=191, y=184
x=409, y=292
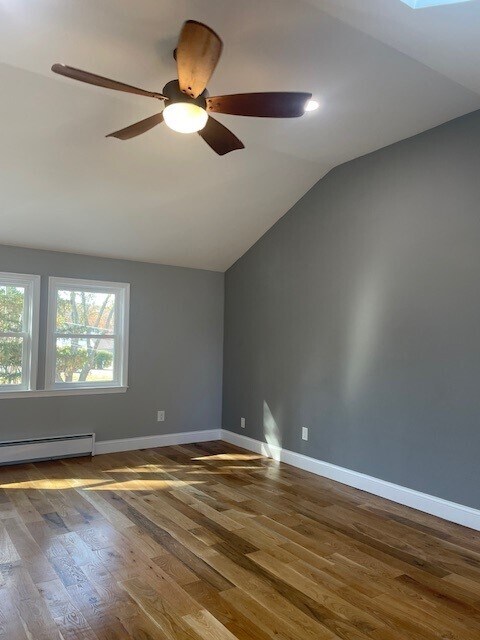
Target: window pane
x=85, y=312
x=11, y=308
x=11, y=351
x=84, y=360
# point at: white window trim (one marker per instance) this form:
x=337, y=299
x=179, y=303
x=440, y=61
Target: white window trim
x=30, y=336
x=50, y=393
x=122, y=299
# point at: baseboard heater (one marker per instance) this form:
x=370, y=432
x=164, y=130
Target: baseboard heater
x=35, y=449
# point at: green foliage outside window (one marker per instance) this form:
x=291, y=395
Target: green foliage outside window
x=11, y=308
x=11, y=320
x=10, y=361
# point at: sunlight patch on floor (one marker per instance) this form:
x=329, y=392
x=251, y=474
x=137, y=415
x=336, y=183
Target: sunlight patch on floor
x=95, y=485
x=142, y=485
x=52, y=484
x=230, y=456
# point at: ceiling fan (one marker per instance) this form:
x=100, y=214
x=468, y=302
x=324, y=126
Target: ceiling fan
x=188, y=106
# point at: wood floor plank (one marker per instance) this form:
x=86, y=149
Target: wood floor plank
x=70, y=622
x=208, y=541
x=29, y=552
x=207, y=626
x=241, y=627
x=8, y=552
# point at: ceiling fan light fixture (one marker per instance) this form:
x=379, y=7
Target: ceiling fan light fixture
x=312, y=105
x=185, y=117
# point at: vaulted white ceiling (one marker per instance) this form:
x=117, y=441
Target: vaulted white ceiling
x=381, y=71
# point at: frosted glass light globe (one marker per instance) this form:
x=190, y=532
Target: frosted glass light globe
x=312, y=105
x=185, y=117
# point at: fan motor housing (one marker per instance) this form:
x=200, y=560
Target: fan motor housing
x=173, y=92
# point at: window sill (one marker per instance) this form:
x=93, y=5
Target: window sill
x=45, y=393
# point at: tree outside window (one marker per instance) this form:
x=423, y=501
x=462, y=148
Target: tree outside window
x=87, y=334
x=87, y=354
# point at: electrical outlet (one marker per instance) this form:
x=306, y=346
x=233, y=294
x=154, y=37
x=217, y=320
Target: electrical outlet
x=160, y=416
x=304, y=433
x=242, y=423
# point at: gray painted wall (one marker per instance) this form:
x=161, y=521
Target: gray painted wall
x=175, y=363
x=358, y=315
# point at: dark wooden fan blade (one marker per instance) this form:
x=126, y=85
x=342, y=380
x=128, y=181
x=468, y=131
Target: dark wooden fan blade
x=261, y=105
x=137, y=128
x=219, y=138
x=100, y=81
x=198, y=51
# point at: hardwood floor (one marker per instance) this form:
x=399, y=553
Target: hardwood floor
x=213, y=542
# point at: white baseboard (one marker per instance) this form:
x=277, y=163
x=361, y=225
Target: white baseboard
x=451, y=511
x=164, y=440
x=445, y=509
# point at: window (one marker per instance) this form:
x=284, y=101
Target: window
x=19, y=304
x=87, y=341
